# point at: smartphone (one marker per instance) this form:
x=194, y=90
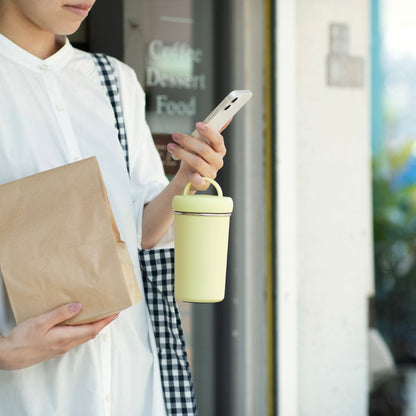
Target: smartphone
x=226, y=109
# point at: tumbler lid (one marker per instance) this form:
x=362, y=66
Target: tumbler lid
x=216, y=204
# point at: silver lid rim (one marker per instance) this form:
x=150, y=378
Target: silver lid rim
x=203, y=214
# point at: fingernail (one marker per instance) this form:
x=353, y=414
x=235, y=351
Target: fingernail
x=176, y=136
x=75, y=307
x=200, y=126
x=171, y=147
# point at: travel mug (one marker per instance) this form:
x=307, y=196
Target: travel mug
x=202, y=225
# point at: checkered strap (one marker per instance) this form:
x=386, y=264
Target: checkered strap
x=109, y=81
x=158, y=276
x=157, y=268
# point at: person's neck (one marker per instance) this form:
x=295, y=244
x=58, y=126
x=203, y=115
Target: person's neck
x=27, y=35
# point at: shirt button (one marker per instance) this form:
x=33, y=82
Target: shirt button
x=105, y=337
x=43, y=67
x=107, y=398
x=76, y=158
x=59, y=107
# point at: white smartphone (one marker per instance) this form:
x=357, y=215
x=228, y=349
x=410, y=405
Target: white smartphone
x=226, y=109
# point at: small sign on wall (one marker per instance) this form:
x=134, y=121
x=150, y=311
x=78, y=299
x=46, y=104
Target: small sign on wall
x=343, y=69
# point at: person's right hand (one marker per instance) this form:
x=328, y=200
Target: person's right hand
x=41, y=338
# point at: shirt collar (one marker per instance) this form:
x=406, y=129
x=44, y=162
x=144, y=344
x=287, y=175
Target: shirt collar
x=54, y=62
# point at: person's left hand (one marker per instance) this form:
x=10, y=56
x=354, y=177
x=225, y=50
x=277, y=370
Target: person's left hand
x=200, y=156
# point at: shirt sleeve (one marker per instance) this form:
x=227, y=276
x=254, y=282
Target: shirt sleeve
x=147, y=177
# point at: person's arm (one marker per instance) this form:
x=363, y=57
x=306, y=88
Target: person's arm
x=151, y=204
x=41, y=338
x=199, y=159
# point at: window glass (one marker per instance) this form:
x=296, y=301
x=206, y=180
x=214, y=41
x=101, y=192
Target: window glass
x=393, y=337
x=175, y=71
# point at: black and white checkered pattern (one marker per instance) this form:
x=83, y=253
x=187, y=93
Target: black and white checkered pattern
x=158, y=276
x=108, y=77
x=157, y=268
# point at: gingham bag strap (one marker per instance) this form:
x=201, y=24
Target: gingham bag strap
x=157, y=268
x=109, y=81
x=158, y=276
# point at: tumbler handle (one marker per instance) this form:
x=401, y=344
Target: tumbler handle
x=211, y=181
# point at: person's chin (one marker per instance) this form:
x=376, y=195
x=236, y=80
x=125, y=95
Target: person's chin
x=68, y=29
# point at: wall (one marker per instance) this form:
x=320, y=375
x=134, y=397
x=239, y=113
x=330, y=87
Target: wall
x=324, y=232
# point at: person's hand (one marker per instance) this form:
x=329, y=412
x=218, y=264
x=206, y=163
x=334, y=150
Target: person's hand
x=41, y=338
x=200, y=157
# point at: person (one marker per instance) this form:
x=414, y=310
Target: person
x=54, y=111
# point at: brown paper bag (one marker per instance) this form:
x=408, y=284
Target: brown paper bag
x=59, y=244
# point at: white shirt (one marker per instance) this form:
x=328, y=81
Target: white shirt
x=53, y=112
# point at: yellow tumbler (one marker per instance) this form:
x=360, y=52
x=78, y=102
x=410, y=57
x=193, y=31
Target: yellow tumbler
x=202, y=225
